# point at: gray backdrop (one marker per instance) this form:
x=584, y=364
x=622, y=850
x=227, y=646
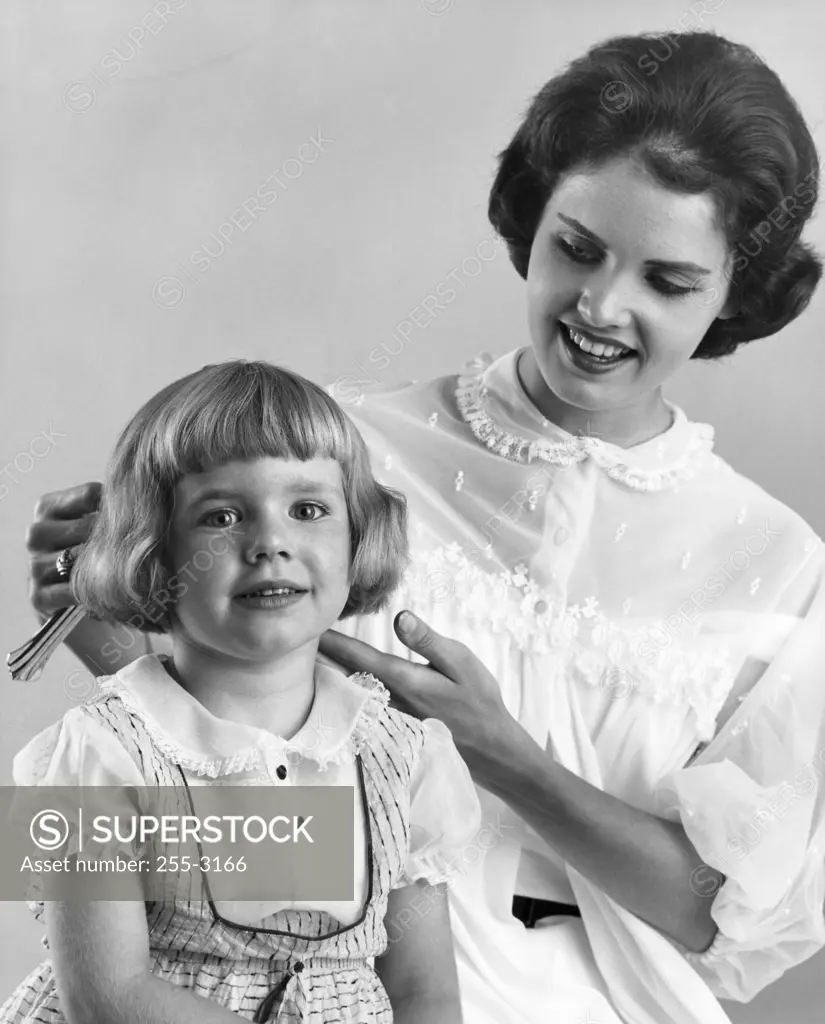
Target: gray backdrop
x=132, y=252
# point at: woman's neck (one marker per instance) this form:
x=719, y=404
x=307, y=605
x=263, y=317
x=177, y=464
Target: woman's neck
x=625, y=427
x=274, y=695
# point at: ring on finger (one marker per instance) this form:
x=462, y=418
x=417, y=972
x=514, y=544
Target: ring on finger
x=65, y=561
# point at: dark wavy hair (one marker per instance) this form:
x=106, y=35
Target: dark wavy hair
x=701, y=114
x=234, y=410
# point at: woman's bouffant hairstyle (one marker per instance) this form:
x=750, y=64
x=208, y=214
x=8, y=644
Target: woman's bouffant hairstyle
x=700, y=114
x=235, y=410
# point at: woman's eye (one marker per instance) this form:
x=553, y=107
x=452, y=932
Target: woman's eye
x=665, y=287
x=577, y=253
x=309, y=511
x=221, y=518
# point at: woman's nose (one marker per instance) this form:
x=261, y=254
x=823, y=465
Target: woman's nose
x=604, y=302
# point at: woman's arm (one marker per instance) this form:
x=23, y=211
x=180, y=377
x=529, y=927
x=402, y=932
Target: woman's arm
x=100, y=953
x=418, y=970
x=644, y=863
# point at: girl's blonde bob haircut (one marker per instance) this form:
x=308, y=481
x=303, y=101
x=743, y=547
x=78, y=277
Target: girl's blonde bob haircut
x=235, y=410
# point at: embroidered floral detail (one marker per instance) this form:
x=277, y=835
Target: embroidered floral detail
x=741, y=516
x=459, y=480
x=620, y=531
x=652, y=662
x=686, y=557
x=388, y=462
x=433, y=419
x=520, y=573
x=755, y=585
x=627, y=604
x=470, y=396
x=533, y=499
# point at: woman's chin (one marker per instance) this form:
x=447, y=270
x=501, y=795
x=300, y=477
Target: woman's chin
x=578, y=389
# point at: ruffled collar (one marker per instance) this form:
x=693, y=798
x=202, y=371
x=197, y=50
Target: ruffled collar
x=339, y=722
x=493, y=403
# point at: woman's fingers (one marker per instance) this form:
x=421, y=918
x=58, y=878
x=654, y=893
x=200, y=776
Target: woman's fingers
x=62, y=519
x=444, y=655
x=352, y=655
x=357, y=656
x=51, y=536
x=71, y=503
x=50, y=597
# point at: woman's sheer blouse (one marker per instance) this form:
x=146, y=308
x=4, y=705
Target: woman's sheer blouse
x=657, y=621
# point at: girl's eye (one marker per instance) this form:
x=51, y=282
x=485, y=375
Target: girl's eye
x=221, y=518
x=309, y=511
x=577, y=253
x=665, y=287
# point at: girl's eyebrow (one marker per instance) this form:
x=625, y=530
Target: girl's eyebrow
x=302, y=485
x=680, y=266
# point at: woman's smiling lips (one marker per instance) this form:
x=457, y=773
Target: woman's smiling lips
x=592, y=353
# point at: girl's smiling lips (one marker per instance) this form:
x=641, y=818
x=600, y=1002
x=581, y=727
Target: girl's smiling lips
x=284, y=587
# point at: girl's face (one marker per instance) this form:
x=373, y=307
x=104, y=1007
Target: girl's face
x=625, y=278
x=267, y=546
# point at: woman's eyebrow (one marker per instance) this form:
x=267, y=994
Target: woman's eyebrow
x=680, y=266
x=573, y=223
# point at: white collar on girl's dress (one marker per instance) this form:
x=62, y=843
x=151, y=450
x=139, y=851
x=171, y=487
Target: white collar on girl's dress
x=340, y=720
x=501, y=416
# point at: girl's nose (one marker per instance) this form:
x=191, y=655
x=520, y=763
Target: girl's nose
x=267, y=541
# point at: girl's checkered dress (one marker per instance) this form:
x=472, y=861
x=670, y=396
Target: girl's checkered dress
x=304, y=965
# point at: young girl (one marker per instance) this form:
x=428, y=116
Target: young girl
x=240, y=516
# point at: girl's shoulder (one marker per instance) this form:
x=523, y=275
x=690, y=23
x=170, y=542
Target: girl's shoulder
x=90, y=745
x=385, y=728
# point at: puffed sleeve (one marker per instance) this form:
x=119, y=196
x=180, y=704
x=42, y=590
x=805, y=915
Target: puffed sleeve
x=753, y=805
x=78, y=751
x=445, y=814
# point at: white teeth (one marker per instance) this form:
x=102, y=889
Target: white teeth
x=595, y=348
x=270, y=592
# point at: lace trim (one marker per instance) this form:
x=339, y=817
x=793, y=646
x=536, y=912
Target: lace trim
x=252, y=758
x=470, y=396
x=593, y=648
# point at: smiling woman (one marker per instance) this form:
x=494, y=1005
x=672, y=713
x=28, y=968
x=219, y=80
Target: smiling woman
x=619, y=260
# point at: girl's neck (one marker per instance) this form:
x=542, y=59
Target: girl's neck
x=274, y=695
x=625, y=427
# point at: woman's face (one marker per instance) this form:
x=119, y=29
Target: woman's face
x=625, y=278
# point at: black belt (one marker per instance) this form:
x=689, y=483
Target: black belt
x=529, y=910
